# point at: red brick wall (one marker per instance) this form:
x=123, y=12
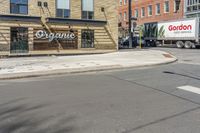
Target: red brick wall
x=138, y=4
x=123, y=8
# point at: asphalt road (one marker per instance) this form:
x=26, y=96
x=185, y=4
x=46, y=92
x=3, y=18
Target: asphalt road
x=143, y=100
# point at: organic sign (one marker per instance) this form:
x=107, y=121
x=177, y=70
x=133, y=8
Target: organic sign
x=41, y=34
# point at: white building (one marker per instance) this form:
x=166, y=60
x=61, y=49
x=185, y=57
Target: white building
x=192, y=8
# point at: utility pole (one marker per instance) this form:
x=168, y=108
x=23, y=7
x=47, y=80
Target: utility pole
x=129, y=19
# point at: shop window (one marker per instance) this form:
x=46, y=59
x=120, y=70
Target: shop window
x=87, y=9
x=19, y=40
x=19, y=6
x=63, y=9
x=87, y=39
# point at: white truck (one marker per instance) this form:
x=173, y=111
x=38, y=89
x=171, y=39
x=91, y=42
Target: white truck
x=183, y=33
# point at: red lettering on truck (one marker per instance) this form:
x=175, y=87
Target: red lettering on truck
x=180, y=27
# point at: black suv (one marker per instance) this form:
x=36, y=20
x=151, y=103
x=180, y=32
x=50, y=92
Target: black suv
x=135, y=42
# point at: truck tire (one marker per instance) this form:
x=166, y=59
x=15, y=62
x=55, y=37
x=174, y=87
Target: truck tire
x=188, y=44
x=179, y=44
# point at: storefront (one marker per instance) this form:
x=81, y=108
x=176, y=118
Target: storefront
x=18, y=35
x=59, y=30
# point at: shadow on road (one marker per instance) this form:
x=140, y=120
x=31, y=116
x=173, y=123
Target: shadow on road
x=184, y=75
x=17, y=117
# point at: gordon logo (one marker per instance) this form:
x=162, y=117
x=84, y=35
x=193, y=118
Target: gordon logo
x=180, y=28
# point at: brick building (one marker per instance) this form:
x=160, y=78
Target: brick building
x=29, y=26
x=123, y=17
x=151, y=11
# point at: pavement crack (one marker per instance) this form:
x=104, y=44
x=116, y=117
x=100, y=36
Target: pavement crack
x=161, y=120
x=155, y=89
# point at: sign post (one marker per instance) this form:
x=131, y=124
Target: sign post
x=129, y=19
x=140, y=39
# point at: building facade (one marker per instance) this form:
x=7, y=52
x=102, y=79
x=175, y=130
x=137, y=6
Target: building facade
x=29, y=26
x=123, y=17
x=192, y=8
x=151, y=11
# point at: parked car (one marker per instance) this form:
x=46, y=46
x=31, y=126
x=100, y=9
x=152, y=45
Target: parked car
x=135, y=42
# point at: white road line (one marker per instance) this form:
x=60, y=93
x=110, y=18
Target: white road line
x=190, y=88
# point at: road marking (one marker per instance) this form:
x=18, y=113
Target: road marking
x=190, y=88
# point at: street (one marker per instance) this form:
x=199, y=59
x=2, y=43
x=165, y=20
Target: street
x=139, y=100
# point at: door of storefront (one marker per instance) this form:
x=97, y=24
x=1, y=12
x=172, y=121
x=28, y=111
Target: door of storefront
x=19, y=40
x=87, y=39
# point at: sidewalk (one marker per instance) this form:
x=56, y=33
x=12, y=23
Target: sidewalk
x=55, y=52
x=11, y=68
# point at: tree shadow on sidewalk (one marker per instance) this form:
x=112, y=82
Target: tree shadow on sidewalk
x=16, y=117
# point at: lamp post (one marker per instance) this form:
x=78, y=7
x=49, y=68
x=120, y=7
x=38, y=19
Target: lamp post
x=129, y=27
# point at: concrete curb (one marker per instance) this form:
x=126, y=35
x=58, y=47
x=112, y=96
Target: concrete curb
x=74, y=71
x=55, y=54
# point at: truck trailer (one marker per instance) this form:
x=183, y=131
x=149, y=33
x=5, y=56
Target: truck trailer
x=182, y=33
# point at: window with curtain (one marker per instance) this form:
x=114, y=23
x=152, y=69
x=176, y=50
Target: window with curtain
x=87, y=9
x=19, y=6
x=63, y=8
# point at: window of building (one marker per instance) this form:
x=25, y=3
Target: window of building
x=120, y=16
x=166, y=6
x=157, y=8
x=125, y=16
x=177, y=5
x=120, y=2
x=63, y=9
x=136, y=13
x=19, y=40
x=87, y=9
x=142, y=12
x=87, y=38
x=150, y=10
x=192, y=5
x=19, y=6
x=125, y=2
